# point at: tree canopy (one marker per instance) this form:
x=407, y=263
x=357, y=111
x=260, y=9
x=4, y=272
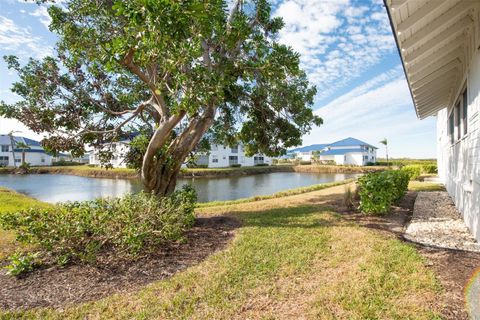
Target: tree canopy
x=170, y=69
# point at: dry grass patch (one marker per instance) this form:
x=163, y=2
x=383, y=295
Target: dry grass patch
x=425, y=186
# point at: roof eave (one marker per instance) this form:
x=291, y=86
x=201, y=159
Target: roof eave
x=401, y=57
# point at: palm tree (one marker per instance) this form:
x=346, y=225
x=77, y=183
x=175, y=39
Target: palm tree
x=385, y=143
x=23, y=146
x=12, y=140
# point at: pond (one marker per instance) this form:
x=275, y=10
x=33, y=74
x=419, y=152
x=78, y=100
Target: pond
x=59, y=188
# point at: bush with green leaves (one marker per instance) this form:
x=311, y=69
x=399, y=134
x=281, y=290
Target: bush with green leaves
x=126, y=226
x=379, y=190
x=64, y=163
x=413, y=170
x=21, y=263
x=429, y=168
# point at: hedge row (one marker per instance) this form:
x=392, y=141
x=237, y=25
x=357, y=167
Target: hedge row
x=415, y=170
x=379, y=190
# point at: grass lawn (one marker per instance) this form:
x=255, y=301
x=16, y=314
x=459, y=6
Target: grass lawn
x=292, y=258
x=425, y=186
x=12, y=201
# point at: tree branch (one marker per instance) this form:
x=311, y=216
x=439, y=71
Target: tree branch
x=135, y=113
x=160, y=105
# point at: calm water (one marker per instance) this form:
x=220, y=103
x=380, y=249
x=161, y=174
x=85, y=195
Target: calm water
x=57, y=188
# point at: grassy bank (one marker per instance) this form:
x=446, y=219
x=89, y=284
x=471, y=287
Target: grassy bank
x=13, y=201
x=98, y=172
x=280, y=194
x=292, y=258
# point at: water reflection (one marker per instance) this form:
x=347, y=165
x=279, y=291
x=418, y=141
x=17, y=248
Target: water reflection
x=58, y=188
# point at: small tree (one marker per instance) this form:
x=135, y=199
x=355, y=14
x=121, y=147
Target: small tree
x=23, y=146
x=385, y=143
x=172, y=69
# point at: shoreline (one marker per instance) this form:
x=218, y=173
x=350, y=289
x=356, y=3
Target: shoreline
x=121, y=173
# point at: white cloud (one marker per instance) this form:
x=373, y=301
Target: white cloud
x=381, y=107
x=42, y=13
x=337, y=40
x=20, y=41
x=8, y=125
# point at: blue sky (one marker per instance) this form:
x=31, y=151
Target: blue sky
x=347, y=49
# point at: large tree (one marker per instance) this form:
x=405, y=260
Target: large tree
x=171, y=69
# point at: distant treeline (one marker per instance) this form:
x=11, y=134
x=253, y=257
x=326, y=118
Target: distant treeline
x=405, y=161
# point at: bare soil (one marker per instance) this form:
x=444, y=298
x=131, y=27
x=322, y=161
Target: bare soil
x=58, y=287
x=452, y=267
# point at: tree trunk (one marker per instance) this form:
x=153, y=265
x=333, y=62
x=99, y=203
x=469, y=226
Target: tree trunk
x=159, y=176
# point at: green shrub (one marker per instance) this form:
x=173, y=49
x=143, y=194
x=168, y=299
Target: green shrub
x=261, y=165
x=197, y=166
x=236, y=165
x=303, y=162
x=413, y=170
x=24, y=168
x=126, y=226
x=429, y=168
x=21, y=263
x=379, y=190
x=63, y=163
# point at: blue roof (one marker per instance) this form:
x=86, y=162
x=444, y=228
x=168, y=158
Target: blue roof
x=30, y=150
x=350, y=142
x=333, y=152
x=313, y=147
x=31, y=142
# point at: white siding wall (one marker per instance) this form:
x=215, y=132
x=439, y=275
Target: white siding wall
x=33, y=158
x=222, y=156
x=119, y=159
x=459, y=163
x=355, y=159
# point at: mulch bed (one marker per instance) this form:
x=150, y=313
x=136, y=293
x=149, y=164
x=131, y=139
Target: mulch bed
x=57, y=287
x=452, y=267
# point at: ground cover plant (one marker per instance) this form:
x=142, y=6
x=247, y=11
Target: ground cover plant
x=379, y=190
x=10, y=202
x=79, y=231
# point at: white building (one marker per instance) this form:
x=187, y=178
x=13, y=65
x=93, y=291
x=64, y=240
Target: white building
x=35, y=155
x=219, y=157
x=118, y=161
x=439, y=43
x=349, y=151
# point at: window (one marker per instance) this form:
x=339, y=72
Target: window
x=232, y=160
x=5, y=148
x=42, y=160
x=214, y=159
x=465, y=111
x=458, y=120
x=3, y=161
x=235, y=149
x=258, y=159
x=18, y=160
x=451, y=128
